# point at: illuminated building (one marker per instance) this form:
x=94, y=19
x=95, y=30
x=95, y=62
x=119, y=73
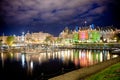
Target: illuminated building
x=95, y=36
x=36, y=37
x=89, y=34
x=66, y=35
x=83, y=35
x=75, y=36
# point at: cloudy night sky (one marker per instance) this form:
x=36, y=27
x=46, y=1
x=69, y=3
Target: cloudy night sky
x=53, y=16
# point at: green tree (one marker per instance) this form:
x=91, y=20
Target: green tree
x=59, y=40
x=49, y=39
x=10, y=40
x=75, y=37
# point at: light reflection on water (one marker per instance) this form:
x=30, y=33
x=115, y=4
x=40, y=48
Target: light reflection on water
x=80, y=58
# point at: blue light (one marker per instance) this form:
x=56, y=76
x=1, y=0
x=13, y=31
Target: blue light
x=77, y=29
x=92, y=26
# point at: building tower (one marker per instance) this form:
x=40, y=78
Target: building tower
x=23, y=37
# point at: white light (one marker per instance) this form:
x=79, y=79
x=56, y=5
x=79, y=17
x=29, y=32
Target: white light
x=23, y=60
x=104, y=39
x=31, y=64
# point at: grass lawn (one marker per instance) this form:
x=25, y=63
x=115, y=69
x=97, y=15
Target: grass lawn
x=110, y=73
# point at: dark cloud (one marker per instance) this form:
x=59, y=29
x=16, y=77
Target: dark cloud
x=41, y=14
x=24, y=11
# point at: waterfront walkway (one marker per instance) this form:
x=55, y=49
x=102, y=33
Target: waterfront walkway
x=110, y=73
x=84, y=72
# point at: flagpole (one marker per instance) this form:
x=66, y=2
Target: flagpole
x=85, y=23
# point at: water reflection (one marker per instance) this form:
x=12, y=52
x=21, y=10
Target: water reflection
x=80, y=58
x=23, y=60
x=2, y=57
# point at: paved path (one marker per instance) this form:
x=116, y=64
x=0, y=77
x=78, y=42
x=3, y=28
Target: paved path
x=81, y=73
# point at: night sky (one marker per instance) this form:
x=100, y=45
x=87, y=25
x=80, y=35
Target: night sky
x=52, y=16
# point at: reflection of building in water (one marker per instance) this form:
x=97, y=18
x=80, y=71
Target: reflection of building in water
x=2, y=58
x=76, y=57
x=106, y=54
x=23, y=60
x=84, y=61
x=27, y=62
x=80, y=58
x=88, y=57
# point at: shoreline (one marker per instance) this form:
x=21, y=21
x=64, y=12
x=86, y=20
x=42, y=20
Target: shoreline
x=87, y=71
